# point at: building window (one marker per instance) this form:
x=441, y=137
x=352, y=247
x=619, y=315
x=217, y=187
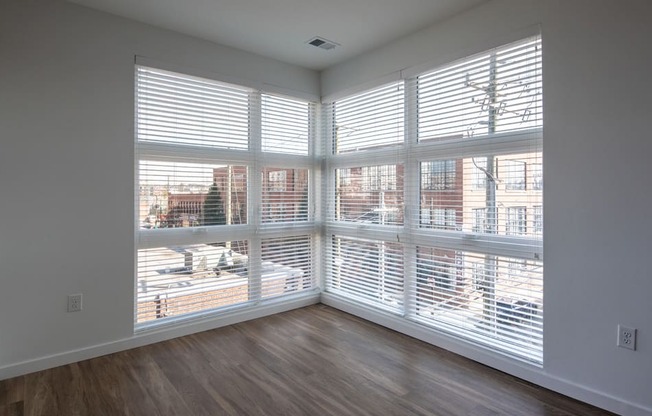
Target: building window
x=438, y=175
x=285, y=196
x=276, y=180
x=538, y=220
x=514, y=175
x=516, y=221
x=477, y=276
x=537, y=176
x=479, y=220
x=444, y=218
x=344, y=177
x=379, y=178
x=479, y=172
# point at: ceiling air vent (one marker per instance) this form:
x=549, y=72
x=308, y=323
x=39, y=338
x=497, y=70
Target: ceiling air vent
x=322, y=43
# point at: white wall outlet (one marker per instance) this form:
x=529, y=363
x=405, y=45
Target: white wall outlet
x=626, y=337
x=75, y=302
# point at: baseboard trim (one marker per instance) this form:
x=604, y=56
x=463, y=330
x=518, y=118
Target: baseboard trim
x=518, y=369
x=157, y=335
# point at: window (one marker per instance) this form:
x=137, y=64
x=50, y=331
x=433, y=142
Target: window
x=477, y=276
x=287, y=265
x=514, y=175
x=201, y=245
x=444, y=218
x=516, y=221
x=276, y=180
x=479, y=172
x=479, y=220
x=374, y=195
x=372, y=120
x=184, y=279
x=285, y=125
x=438, y=175
x=285, y=195
x=452, y=162
x=537, y=176
x=370, y=271
x=435, y=270
x=378, y=178
x=538, y=220
x=344, y=178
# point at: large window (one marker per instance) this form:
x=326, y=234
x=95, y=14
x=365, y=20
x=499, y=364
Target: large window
x=429, y=202
x=456, y=153
x=209, y=204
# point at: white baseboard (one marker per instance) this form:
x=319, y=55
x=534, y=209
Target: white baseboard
x=518, y=369
x=157, y=335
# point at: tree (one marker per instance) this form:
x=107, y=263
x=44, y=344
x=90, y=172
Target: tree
x=213, y=208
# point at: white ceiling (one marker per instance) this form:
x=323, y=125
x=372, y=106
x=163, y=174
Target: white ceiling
x=279, y=28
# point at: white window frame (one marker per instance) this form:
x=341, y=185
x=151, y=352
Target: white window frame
x=254, y=231
x=495, y=147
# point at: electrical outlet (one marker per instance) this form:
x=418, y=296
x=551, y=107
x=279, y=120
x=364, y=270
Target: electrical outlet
x=75, y=303
x=626, y=337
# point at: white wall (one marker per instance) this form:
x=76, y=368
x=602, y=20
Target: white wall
x=597, y=171
x=66, y=169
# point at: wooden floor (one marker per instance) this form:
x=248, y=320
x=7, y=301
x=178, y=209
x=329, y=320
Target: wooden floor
x=310, y=361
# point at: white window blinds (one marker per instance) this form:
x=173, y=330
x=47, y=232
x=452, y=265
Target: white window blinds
x=207, y=200
x=285, y=195
x=496, y=92
x=285, y=125
x=462, y=194
x=371, y=120
x=180, y=109
x=287, y=265
x=369, y=271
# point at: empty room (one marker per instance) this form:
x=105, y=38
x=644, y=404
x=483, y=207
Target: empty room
x=300, y=207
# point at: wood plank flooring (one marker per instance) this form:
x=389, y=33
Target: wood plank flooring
x=311, y=361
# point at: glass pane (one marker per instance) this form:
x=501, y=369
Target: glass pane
x=451, y=103
x=175, y=194
x=179, y=280
x=287, y=265
x=285, y=195
x=497, y=92
x=370, y=194
x=499, y=298
x=182, y=109
x=484, y=194
x=367, y=269
x=285, y=125
x=371, y=120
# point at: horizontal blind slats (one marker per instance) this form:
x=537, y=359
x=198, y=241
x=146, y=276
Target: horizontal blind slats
x=285, y=125
x=472, y=177
x=369, y=120
x=190, y=132
x=185, y=110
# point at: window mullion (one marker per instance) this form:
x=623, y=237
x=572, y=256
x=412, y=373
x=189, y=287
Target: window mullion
x=255, y=196
x=411, y=189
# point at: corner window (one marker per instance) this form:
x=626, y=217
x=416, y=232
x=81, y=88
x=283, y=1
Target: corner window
x=200, y=248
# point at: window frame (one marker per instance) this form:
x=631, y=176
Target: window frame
x=415, y=231
x=254, y=231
